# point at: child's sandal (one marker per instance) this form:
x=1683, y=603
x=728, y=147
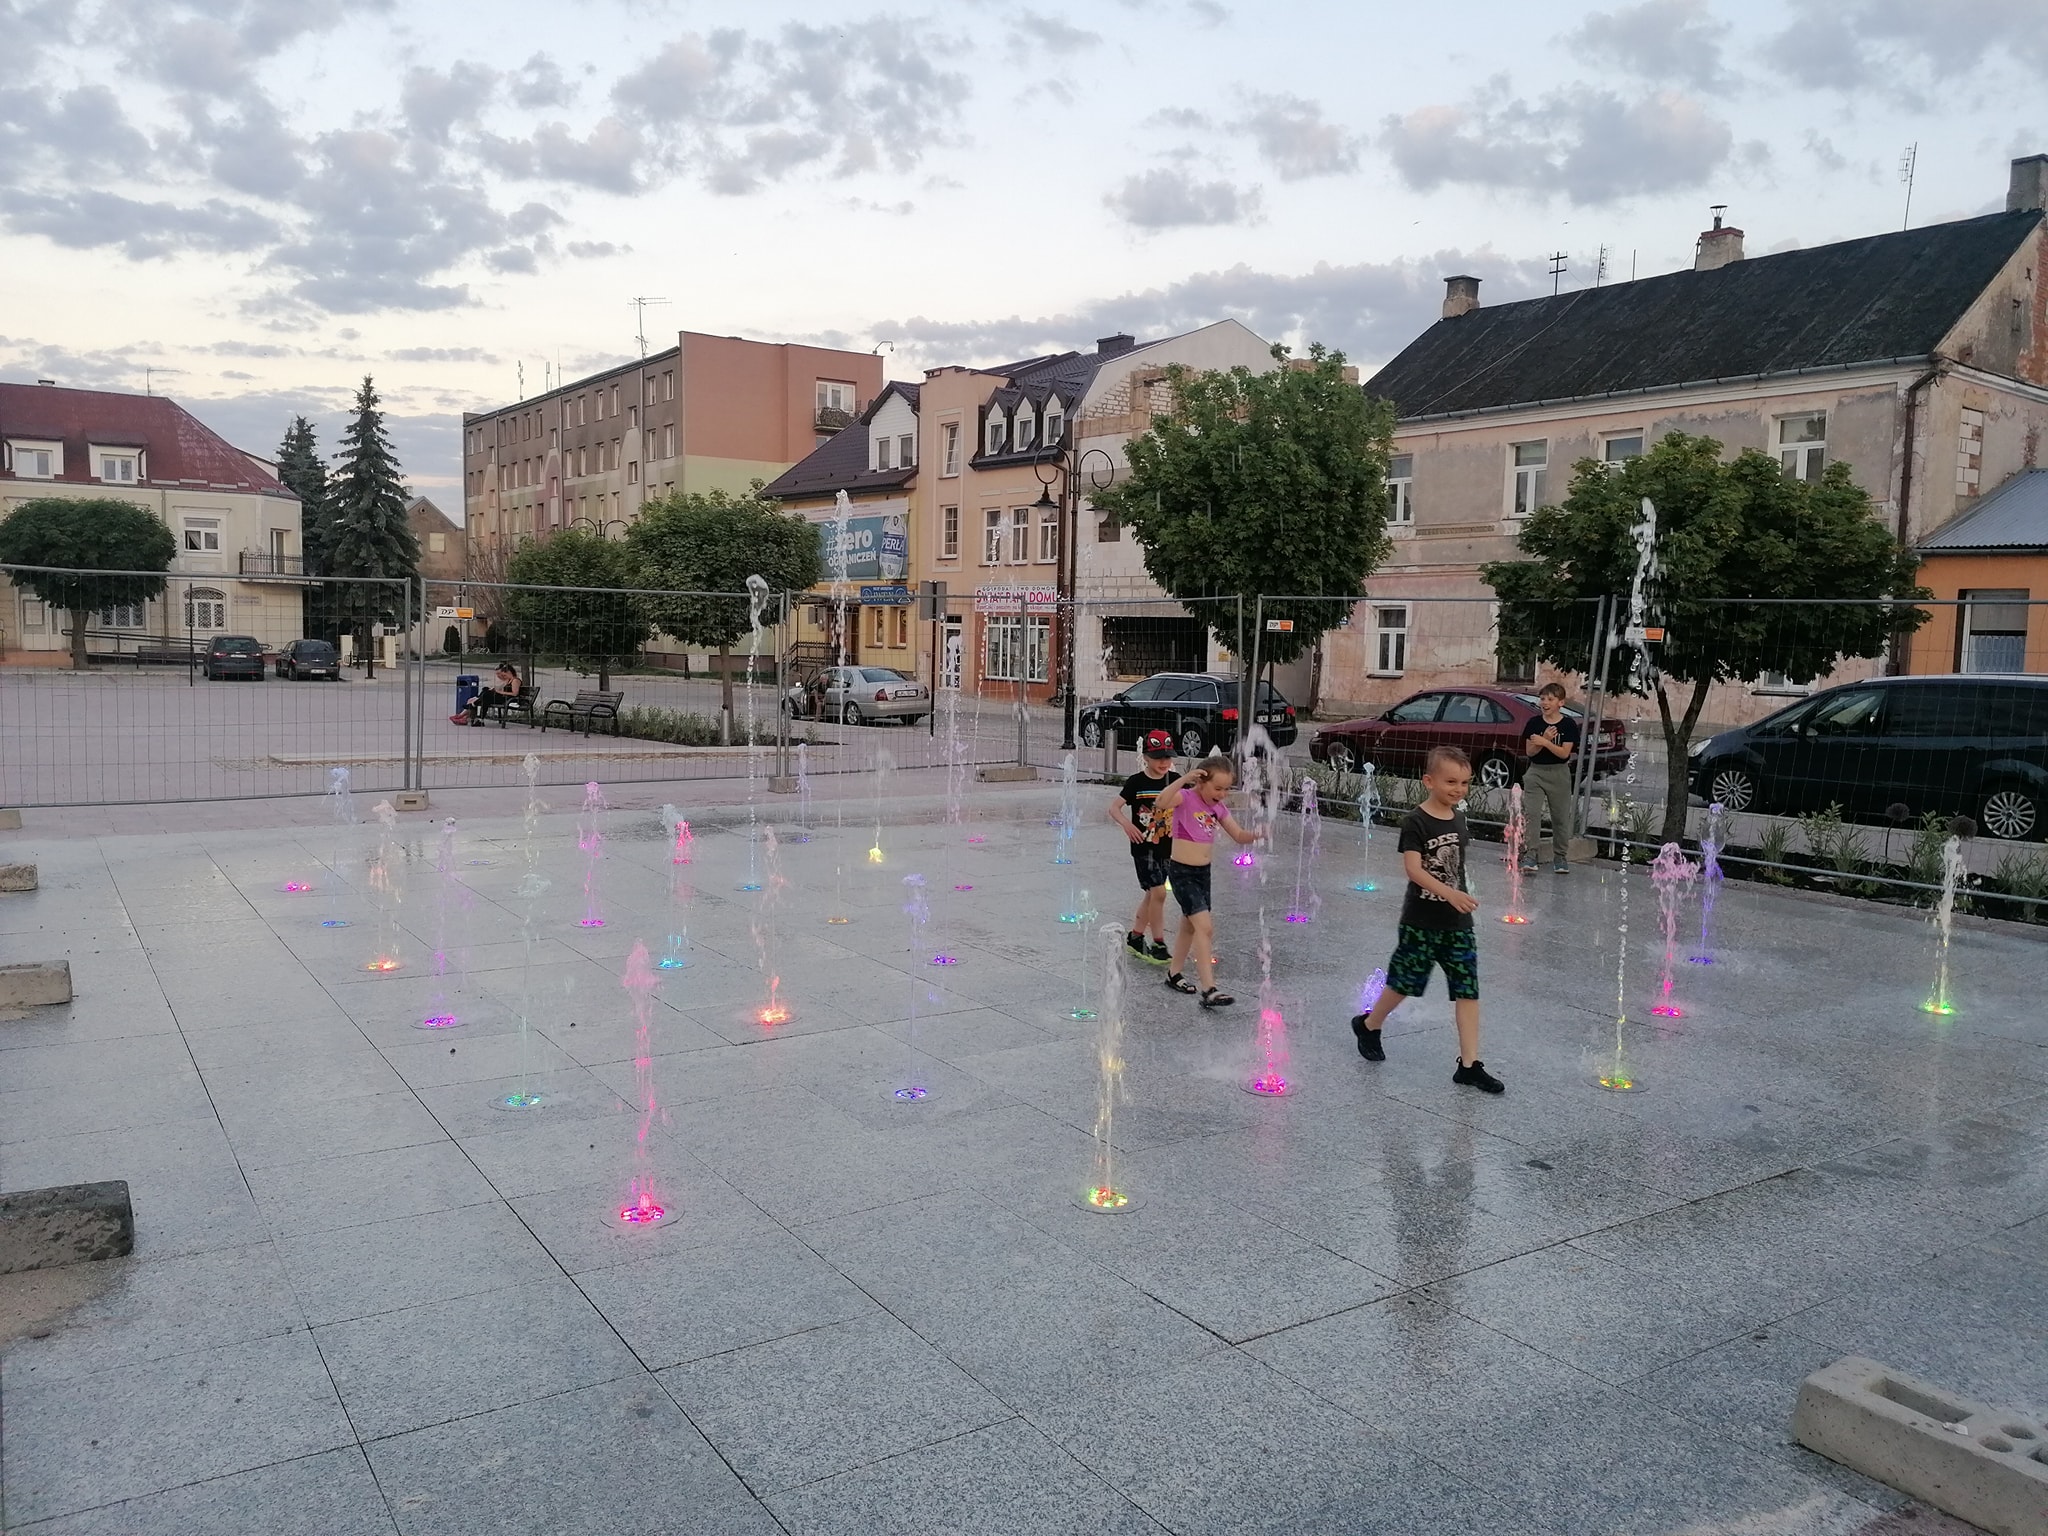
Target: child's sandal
x=1213, y=998
x=1175, y=982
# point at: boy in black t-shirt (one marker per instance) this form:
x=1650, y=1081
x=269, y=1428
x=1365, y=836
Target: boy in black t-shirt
x=1436, y=919
x=1132, y=810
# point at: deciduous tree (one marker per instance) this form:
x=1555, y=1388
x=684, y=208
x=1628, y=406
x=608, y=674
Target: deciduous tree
x=570, y=604
x=91, y=539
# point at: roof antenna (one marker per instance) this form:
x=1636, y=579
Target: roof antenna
x=1558, y=266
x=1908, y=161
x=522, y=378
x=1600, y=268
x=640, y=303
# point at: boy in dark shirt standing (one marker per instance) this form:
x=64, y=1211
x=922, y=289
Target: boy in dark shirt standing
x=1552, y=738
x=1132, y=810
x=1436, y=919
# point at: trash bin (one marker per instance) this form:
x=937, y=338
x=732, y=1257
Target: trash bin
x=466, y=686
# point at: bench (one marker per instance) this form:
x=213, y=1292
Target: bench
x=504, y=708
x=589, y=707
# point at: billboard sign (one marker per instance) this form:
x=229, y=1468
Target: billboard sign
x=874, y=548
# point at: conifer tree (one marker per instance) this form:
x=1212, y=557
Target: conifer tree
x=300, y=468
x=366, y=531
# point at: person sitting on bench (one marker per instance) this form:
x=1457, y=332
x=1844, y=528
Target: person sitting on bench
x=508, y=688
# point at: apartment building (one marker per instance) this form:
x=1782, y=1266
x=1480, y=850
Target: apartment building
x=709, y=412
x=1918, y=357
x=238, y=567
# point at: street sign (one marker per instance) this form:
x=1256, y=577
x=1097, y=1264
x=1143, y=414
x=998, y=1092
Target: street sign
x=446, y=613
x=931, y=601
x=1279, y=626
x=885, y=597
x=1655, y=634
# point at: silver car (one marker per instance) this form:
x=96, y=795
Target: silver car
x=858, y=695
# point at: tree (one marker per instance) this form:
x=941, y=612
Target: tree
x=705, y=542
x=1254, y=483
x=1729, y=533
x=367, y=533
x=300, y=468
x=591, y=631
x=86, y=535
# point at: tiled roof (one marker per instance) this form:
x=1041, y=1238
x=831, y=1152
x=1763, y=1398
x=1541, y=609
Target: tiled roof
x=1885, y=297
x=840, y=463
x=2013, y=517
x=183, y=451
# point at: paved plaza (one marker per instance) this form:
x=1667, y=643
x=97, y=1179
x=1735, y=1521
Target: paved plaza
x=365, y=1298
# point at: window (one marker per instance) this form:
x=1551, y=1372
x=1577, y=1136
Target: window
x=1803, y=445
x=1531, y=463
x=615, y=399
x=1108, y=530
x=1016, y=649
x=1048, y=535
x=994, y=443
x=118, y=468
x=1024, y=432
x=1471, y=709
x=205, y=608
x=35, y=613
x=668, y=385
x=901, y=624
x=992, y=536
x=1514, y=663
x=1055, y=421
x=37, y=461
x=668, y=442
x=647, y=444
x=618, y=453
x=949, y=448
x=1401, y=490
x=202, y=535
x=437, y=543
x=835, y=396
x=581, y=462
x=949, y=533
x=1994, y=631
x=653, y=391
x=1418, y=711
x=906, y=451
x=877, y=617
x=120, y=616
x=881, y=453
x=1390, y=632
x=1020, y=535
x=600, y=405
x=1620, y=448
x=1851, y=713
x=280, y=548
x=632, y=472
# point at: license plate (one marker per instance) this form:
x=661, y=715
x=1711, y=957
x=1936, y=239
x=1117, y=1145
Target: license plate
x=1268, y=719
x=904, y=693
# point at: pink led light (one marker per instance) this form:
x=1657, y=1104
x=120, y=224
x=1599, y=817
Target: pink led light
x=1668, y=1011
x=1513, y=917
x=1297, y=917
x=1269, y=1085
x=644, y=1212
x=439, y=1021
x=296, y=886
x=591, y=922
x=963, y=887
x=977, y=838
x=1244, y=860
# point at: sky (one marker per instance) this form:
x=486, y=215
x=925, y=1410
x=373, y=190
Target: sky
x=251, y=204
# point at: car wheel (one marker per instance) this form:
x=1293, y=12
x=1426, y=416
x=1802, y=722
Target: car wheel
x=1341, y=758
x=1193, y=741
x=2012, y=812
x=1732, y=788
x=1091, y=732
x=849, y=713
x=1495, y=772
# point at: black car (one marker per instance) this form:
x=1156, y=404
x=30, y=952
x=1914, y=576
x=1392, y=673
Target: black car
x=1197, y=709
x=234, y=656
x=309, y=658
x=1973, y=746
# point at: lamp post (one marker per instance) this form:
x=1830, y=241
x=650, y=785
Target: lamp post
x=1068, y=467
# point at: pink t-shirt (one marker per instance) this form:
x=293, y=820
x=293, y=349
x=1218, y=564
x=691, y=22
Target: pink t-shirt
x=1194, y=820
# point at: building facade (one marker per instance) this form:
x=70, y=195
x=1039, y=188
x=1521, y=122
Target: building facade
x=1989, y=570
x=1919, y=358
x=239, y=562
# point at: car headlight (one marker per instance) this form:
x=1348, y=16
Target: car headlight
x=1699, y=746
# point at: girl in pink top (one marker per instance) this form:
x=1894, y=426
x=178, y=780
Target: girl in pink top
x=1195, y=802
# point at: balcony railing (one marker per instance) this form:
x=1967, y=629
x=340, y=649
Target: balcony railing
x=832, y=418
x=257, y=563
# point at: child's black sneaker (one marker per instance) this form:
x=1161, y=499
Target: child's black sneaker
x=1476, y=1076
x=1216, y=997
x=1175, y=982
x=1158, y=951
x=1368, y=1039
x=1135, y=943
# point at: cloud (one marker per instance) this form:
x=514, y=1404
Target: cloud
x=444, y=355
x=1172, y=199
x=435, y=102
x=539, y=82
x=141, y=231
x=1296, y=139
x=1034, y=36
x=1590, y=145
x=83, y=133
x=1824, y=154
x=1369, y=310
x=591, y=249
x=1660, y=40
x=1904, y=49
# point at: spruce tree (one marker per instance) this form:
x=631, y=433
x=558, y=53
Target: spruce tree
x=366, y=531
x=305, y=476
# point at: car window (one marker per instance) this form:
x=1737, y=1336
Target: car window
x=1930, y=709
x=2012, y=712
x=1201, y=691
x=1853, y=712
x=1465, y=709
x=1496, y=713
x=1415, y=710
x=1270, y=697
x=1145, y=692
x=235, y=647
x=882, y=675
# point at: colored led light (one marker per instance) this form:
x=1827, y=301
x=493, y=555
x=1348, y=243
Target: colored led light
x=774, y=1013
x=1935, y=1005
x=520, y=1101
x=672, y=962
x=1513, y=917
x=1699, y=959
x=1297, y=917
x=837, y=919
x=1244, y=860
x=591, y=922
x=1364, y=885
x=749, y=885
x=963, y=887
x=439, y=1021
x=875, y=854
x=1271, y=1084
x=644, y=1213
x=382, y=963
x=944, y=960
x=1072, y=917
x=333, y=922
x=907, y=1094
x=1105, y=1199
x=1083, y=1014
x=1617, y=1083
x=293, y=887
x=1668, y=1011
x=977, y=838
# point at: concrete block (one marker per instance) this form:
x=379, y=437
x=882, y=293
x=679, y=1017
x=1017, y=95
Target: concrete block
x=782, y=784
x=1986, y=1465
x=35, y=984
x=410, y=800
x=65, y=1224
x=1005, y=773
x=17, y=877
x=1580, y=850
x=10, y=821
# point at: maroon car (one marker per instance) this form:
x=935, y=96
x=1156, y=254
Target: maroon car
x=1489, y=723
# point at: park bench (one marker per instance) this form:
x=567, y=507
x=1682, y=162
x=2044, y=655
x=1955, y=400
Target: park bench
x=589, y=707
x=505, y=708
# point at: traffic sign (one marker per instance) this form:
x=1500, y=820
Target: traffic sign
x=1280, y=626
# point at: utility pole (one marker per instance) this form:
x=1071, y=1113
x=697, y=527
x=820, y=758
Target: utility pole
x=1600, y=268
x=1557, y=270
x=640, y=303
x=1908, y=162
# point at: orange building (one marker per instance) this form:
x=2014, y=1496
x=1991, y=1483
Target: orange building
x=1990, y=569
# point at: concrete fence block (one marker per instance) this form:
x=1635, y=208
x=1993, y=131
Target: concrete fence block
x=36, y=984
x=10, y=821
x=410, y=800
x=65, y=1224
x=1986, y=1465
x=17, y=877
x=1004, y=773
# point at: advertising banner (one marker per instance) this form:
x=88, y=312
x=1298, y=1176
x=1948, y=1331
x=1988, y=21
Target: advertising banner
x=875, y=548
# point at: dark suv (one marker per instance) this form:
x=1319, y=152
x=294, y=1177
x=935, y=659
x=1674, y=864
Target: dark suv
x=1197, y=709
x=309, y=658
x=1972, y=746
x=234, y=656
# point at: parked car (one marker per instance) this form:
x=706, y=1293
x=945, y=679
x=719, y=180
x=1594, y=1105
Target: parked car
x=309, y=658
x=857, y=695
x=1972, y=746
x=1490, y=724
x=1197, y=709
x=234, y=656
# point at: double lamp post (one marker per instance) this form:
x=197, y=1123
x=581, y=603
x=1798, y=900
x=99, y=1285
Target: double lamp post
x=1068, y=468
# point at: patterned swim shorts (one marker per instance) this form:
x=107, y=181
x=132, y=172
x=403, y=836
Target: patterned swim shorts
x=1417, y=951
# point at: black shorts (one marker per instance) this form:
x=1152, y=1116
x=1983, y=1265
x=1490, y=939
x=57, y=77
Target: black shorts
x=1190, y=885
x=1149, y=859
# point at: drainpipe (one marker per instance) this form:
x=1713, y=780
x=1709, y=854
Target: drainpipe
x=1895, y=661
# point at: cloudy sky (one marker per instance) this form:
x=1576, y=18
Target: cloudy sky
x=258, y=201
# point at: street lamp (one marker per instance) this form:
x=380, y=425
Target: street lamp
x=1068, y=467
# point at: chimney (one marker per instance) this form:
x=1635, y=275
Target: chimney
x=1718, y=246
x=1112, y=346
x=1461, y=296
x=2029, y=185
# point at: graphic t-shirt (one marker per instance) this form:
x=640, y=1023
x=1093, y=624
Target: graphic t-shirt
x=1139, y=792
x=1195, y=820
x=1442, y=843
x=1567, y=734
